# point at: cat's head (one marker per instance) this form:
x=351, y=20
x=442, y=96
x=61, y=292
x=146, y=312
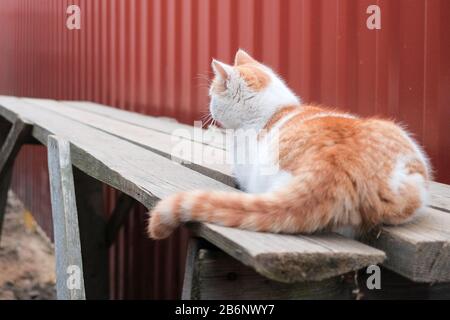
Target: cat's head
x=247, y=93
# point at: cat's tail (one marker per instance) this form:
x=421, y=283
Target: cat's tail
x=287, y=211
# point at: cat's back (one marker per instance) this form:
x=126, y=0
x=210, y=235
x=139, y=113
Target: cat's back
x=328, y=129
x=323, y=135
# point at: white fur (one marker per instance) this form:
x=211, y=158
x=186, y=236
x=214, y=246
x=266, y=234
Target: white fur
x=240, y=107
x=166, y=213
x=418, y=151
x=401, y=177
x=259, y=173
x=421, y=184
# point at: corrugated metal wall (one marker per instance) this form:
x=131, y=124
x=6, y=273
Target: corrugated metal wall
x=153, y=57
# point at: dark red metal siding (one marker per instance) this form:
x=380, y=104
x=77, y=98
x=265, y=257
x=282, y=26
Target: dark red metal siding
x=153, y=57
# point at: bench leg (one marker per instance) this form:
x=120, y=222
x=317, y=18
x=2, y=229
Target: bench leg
x=5, y=183
x=69, y=265
x=80, y=229
x=190, y=283
x=11, y=139
x=5, y=177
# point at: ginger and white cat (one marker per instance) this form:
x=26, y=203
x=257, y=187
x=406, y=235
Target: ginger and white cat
x=335, y=170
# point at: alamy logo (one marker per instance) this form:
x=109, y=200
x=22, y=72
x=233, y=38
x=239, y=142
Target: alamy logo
x=374, y=280
x=243, y=147
x=74, y=277
x=73, y=21
x=374, y=20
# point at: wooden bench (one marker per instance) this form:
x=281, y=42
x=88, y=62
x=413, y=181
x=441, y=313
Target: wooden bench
x=89, y=144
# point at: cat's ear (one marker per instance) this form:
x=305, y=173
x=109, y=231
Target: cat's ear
x=243, y=57
x=221, y=69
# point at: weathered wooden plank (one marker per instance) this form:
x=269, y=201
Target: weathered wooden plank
x=5, y=183
x=197, y=156
x=163, y=125
x=12, y=137
x=190, y=283
x=140, y=173
x=419, y=250
x=8, y=115
x=144, y=175
x=5, y=178
x=222, y=277
x=65, y=222
x=291, y=258
x=440, y=196
x=14, y=141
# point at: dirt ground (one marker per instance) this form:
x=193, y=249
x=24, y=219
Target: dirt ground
x=27, y=262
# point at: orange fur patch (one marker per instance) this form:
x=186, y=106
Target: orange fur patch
x=281, y=113
x=243, y=58
x=255, y=78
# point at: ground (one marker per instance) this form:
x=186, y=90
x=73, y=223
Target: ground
x=27, y=262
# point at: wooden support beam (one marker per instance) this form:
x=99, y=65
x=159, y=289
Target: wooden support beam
x=18, y=134
x=11, y=140
x=123, y=206
x=291, y=258
x=5, y=180
x=190, y=270
x=65, y=222
x=215, y=275
x=5, y=127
